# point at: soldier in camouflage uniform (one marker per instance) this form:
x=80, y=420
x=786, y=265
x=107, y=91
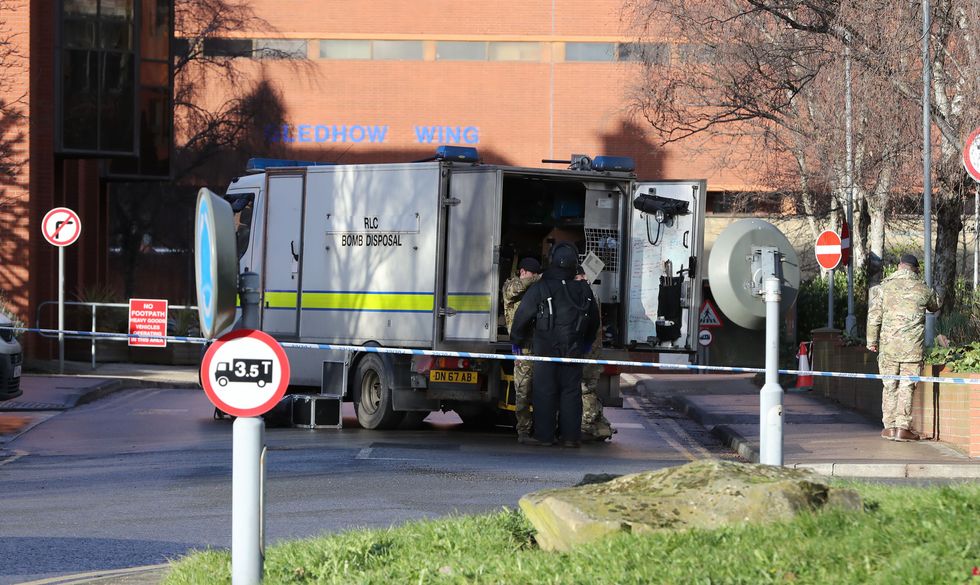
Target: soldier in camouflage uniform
x=896, y=322
x=528, y=272
x=595, y=427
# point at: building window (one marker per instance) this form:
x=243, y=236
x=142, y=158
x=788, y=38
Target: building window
x=345, y=49
x=654, y=53
x=590, y=51
x=515, y=51
x=228, y=47
x=280, y=49
x=396, y=50
x=97, y=76
x=461, y=51
x=690, y=53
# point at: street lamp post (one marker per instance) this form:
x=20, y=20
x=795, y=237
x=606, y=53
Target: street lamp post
x=927, y=163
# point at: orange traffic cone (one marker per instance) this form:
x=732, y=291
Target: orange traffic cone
x=804, y=383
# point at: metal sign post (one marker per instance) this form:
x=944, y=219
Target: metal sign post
x=971, y=162
x=61, y=227
x=829, y=253
x=245, y=373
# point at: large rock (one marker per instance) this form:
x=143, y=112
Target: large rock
x=703, y=494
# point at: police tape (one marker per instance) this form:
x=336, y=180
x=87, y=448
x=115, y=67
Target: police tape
x=504, y=357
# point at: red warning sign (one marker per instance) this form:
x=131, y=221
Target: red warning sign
x=709, y=316
x=148, y=317
x=61, y=227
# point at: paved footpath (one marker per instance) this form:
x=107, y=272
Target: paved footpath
x=818, y=434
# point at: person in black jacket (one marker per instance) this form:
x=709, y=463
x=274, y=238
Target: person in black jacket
x=561, y=316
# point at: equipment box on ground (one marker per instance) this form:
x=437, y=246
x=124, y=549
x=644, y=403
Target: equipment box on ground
x=317, y=411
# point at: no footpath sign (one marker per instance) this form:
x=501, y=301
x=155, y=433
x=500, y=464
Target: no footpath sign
x=148, y=317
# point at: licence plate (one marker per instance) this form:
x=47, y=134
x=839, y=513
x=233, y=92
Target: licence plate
x=452, y=376
x=17, y=371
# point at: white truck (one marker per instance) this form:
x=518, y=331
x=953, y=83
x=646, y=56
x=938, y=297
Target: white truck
x=413, y=255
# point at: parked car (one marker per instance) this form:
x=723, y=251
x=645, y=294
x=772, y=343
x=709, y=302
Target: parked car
x=11, y=360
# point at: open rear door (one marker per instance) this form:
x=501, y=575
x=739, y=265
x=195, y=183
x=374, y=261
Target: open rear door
x=666, y=253
x=282, y=254
x=473, y=227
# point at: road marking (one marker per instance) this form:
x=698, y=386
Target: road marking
x=671, y=432
x=622, y=425
x=365, y=454
x=17, y=455
x=155, y=411
x=96, y=575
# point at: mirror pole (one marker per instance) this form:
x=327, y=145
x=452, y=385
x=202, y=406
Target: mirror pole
x=771, y=395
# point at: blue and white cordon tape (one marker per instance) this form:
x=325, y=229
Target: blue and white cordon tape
x=504, y=356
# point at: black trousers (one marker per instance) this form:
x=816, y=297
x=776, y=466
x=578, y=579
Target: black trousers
x=557, y=398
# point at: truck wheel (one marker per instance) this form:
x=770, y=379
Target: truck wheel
x=372, y=395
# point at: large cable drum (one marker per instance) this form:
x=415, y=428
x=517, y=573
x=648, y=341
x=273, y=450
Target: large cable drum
x=731, y=273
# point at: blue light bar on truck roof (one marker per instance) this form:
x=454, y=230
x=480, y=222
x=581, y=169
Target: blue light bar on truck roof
x=257, y=165
x=613, y=163
x=458, y=154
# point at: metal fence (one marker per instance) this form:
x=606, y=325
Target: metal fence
x=93, y=310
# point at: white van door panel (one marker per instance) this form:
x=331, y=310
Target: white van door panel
x=282, y=254
x=660, y=243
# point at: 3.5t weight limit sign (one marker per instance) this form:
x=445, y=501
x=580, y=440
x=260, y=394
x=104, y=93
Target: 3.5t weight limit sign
x=245, y=373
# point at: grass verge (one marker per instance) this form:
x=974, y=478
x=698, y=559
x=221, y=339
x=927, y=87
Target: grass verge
x=904, y=535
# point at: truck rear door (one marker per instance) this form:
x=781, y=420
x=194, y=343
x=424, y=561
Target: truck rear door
x=664, y=278
x=469, y=298
x=282, y=254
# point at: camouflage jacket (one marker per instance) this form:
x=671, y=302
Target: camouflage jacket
x=513, y=291
x=896, y=316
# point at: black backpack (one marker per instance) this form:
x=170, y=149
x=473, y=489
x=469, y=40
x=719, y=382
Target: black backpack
x=562, y=319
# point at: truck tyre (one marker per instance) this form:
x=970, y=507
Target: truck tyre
x=372, y=395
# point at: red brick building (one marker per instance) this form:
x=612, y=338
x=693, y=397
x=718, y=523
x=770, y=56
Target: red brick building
x=352, y=81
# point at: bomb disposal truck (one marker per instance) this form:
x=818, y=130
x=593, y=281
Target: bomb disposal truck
x=413, y=255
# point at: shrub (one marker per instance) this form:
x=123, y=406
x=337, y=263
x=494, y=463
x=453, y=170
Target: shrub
x=811, y=303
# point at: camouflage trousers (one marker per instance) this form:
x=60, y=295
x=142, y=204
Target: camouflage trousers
x=522, y=394
x=896, y=396
x=594, y=424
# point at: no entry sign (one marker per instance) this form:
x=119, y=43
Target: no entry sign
x=828, y=250
x=245, y=373
x=61, y=227
x=971, y=155
x=148, y=317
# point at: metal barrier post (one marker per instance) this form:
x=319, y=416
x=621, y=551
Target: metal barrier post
x=771, y=395
x=93, y=337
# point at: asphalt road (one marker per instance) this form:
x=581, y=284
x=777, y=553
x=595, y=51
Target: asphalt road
x=144, y=475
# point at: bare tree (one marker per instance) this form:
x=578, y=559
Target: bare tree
x=12, y=103
x=206, y=129
x=885, y=37
x=782, y=86
x=220, y=112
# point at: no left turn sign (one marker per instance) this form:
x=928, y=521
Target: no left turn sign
x=61, y=227
x=245, y=373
